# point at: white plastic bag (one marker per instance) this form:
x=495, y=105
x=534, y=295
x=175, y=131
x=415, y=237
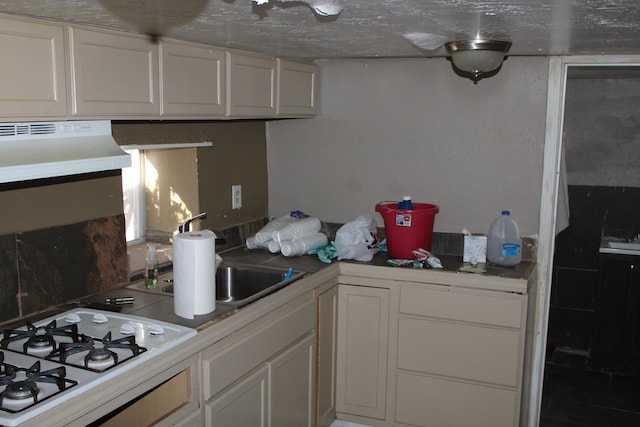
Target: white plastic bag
x=357, y=239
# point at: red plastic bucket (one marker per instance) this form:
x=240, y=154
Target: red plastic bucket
x=407, y=230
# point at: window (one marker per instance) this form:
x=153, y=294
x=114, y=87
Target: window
x=134, y=199
x=135, y=182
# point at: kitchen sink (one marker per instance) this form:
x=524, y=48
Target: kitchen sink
x=236, y=284
x=620, y=247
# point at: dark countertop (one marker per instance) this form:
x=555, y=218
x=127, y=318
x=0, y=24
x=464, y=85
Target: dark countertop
x=160, y=306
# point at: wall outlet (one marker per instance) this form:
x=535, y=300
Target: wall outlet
x=236, y=196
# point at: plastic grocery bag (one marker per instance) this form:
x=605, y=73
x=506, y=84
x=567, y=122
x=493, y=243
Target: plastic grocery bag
x=358, y=239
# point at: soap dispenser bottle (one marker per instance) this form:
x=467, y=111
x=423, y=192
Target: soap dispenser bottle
x=151, y=267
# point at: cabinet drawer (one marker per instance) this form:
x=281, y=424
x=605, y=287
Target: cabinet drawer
x=236, y=355
x=425, y=401
x=460, y=351
x=463, y=305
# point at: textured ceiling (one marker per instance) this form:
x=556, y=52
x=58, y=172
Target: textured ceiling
x=365, y=28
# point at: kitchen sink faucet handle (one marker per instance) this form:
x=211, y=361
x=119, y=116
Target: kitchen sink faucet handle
x=186, y=226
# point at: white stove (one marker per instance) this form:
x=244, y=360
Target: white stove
x=50, y=361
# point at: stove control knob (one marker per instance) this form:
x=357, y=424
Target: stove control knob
x=72, y=318
x=156, y=329
x=99, y=318
x=127, y=329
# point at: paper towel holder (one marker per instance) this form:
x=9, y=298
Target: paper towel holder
x=186, y=226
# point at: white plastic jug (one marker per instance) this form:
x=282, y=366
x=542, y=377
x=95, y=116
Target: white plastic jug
x=504, y=245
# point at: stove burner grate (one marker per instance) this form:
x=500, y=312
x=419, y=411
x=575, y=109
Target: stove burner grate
x=97, y=355
x=22, y=384
x=43, y=337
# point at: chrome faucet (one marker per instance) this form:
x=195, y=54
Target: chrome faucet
x=186, y=226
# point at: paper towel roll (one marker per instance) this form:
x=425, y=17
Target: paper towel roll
x=194, y=273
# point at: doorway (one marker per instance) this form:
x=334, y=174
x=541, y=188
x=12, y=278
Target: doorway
x=601, y=182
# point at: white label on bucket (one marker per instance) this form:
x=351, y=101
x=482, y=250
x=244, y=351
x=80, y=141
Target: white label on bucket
x=403, y=220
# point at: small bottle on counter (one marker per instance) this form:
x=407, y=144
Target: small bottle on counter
x=151, y=267
x=406, y=204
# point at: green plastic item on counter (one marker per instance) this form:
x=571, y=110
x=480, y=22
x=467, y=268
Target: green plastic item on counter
x=325, y=253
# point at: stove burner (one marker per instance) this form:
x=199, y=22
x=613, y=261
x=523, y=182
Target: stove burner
x=40, y=341
x=39, y=338
x=21, y=390
x=27, y=386
x=97, y=355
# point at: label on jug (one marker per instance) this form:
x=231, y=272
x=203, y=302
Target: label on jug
x=510, y=249
x=403, y=220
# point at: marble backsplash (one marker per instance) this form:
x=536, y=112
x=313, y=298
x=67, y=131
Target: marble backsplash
x=43, y=268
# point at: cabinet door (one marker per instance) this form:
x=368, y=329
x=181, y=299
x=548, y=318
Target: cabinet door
x=113, y=75
x=291, y=383
x=617, y=313
x=363, y=329
x=296, y=89
x=251, y=85
x=33, y=72
x=327, y=335
x=244, y=404
x=192, y=80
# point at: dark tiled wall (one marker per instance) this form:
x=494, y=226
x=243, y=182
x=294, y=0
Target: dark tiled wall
x=594, y=211
x=43, y=268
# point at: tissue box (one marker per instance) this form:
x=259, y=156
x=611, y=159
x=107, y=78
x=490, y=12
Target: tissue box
x=475, y=247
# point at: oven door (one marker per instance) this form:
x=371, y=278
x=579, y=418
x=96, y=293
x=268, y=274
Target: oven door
x=170, y=398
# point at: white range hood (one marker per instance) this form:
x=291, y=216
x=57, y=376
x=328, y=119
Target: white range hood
x=36, y=150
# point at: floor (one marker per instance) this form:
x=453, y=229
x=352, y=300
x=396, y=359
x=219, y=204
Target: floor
x=575, y=397
x=338, y=423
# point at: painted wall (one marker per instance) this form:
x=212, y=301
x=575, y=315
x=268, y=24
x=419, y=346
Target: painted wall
x=602, y=132
x=199, y=180
x=34, y=205
x=388, y=128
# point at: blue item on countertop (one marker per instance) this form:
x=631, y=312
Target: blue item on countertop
x=406, y=204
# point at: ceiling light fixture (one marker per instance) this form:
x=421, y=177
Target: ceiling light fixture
x=477, y=56
x=319, y=7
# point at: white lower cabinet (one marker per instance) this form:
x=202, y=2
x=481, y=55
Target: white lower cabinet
x=363, y=333
x=291, y=385
x=264, y=374
x=326, y=332
x=244, y=404
x=423, y=355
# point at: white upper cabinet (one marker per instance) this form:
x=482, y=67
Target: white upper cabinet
x=251, y=85
x=33, y=70
x=60, y=71
x=113, y=74
x=193, y=79
x=296, y=89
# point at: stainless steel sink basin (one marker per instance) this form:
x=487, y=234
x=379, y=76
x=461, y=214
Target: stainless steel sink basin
x=238, y=284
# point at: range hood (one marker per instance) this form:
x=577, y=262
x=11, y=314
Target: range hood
x=36, y=150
